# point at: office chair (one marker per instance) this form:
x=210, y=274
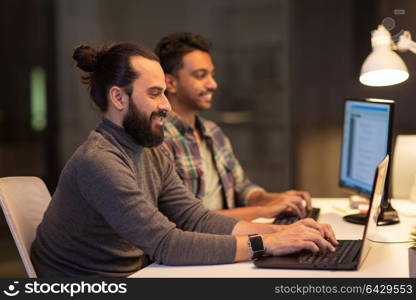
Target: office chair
x=404, y=166
x=24, y=201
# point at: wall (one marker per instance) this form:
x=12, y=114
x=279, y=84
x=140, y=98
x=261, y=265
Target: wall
x=252, y=32
x=330, y=41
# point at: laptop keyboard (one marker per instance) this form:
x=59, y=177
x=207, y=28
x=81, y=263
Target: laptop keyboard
x=345, y=252
x=286, y=220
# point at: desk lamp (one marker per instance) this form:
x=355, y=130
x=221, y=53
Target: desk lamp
x=383, y=66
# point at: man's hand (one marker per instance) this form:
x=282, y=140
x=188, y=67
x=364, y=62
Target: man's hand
x=291, y=205
x=304, y=234
x=293, y=202
x=305, y=196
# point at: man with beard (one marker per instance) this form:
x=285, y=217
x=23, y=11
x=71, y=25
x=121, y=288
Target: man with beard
x=119, y=202
x=202, y=153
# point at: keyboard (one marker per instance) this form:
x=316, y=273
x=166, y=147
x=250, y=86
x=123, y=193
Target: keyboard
x=283, y=219
x=345, y=252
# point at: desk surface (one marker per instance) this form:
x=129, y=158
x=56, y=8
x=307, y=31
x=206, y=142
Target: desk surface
x=383, y=260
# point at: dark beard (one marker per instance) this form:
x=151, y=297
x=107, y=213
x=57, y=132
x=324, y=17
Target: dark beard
x=138, y=126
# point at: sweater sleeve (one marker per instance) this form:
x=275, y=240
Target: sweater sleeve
x=109, y=185
x=185, y=210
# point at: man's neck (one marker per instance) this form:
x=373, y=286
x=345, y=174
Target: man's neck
x=188, y=115
x=184, y=112
x=114, y=117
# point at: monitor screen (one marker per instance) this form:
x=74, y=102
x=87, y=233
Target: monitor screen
x=365, y=142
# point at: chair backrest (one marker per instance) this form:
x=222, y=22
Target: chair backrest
x=404, y=166
x=24, y=201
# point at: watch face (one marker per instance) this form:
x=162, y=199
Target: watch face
x=256, y=245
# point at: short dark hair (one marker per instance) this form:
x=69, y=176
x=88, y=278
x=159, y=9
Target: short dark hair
x=171, y=49
x=107, y=67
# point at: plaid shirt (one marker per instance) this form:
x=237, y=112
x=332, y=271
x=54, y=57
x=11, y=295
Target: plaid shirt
x=181, y=146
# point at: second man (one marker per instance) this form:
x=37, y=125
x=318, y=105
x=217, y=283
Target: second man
x=202, y=153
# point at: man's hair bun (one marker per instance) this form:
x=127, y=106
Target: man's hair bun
x=86, y=58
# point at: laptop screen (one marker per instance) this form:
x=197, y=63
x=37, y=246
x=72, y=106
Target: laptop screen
x=374, y=209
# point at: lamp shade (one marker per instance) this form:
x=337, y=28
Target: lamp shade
x=383, y=66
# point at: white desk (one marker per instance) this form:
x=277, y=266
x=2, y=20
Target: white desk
x=384, y=260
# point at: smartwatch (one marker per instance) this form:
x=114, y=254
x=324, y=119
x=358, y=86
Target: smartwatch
x=255, y=244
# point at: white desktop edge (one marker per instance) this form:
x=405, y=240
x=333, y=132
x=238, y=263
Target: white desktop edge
x=384, y=260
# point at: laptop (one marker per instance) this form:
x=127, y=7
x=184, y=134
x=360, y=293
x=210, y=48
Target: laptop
x=350, y=254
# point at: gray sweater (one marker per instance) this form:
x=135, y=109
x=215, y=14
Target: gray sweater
x=118, y=204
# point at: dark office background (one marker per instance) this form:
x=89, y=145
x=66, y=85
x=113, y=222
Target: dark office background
x=284, y=68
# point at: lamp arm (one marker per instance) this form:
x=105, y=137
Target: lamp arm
x=412, y=47
x=406, y=43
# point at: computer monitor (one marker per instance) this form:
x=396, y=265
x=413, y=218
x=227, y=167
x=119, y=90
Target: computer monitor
x=366, y=140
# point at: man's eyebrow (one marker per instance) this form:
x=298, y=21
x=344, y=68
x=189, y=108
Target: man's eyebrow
x=155, y=89
x=199, y=70
x=203, y=70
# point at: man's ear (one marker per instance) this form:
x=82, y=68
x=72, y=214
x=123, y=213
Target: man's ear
x=118, y=98
x=171, y=83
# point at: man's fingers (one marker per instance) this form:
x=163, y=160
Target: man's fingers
x=329, y=234
x=313, y=224
x=326, y=234
x=322, y=243
x=308, y=245
x=298, y=201
x=306, y=197
x=305, y=235
x=295, y=209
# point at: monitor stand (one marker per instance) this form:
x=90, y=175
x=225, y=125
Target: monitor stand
x=388, y=216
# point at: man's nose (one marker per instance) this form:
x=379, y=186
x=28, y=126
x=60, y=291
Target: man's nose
x=165, y=104
x=211, y=83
